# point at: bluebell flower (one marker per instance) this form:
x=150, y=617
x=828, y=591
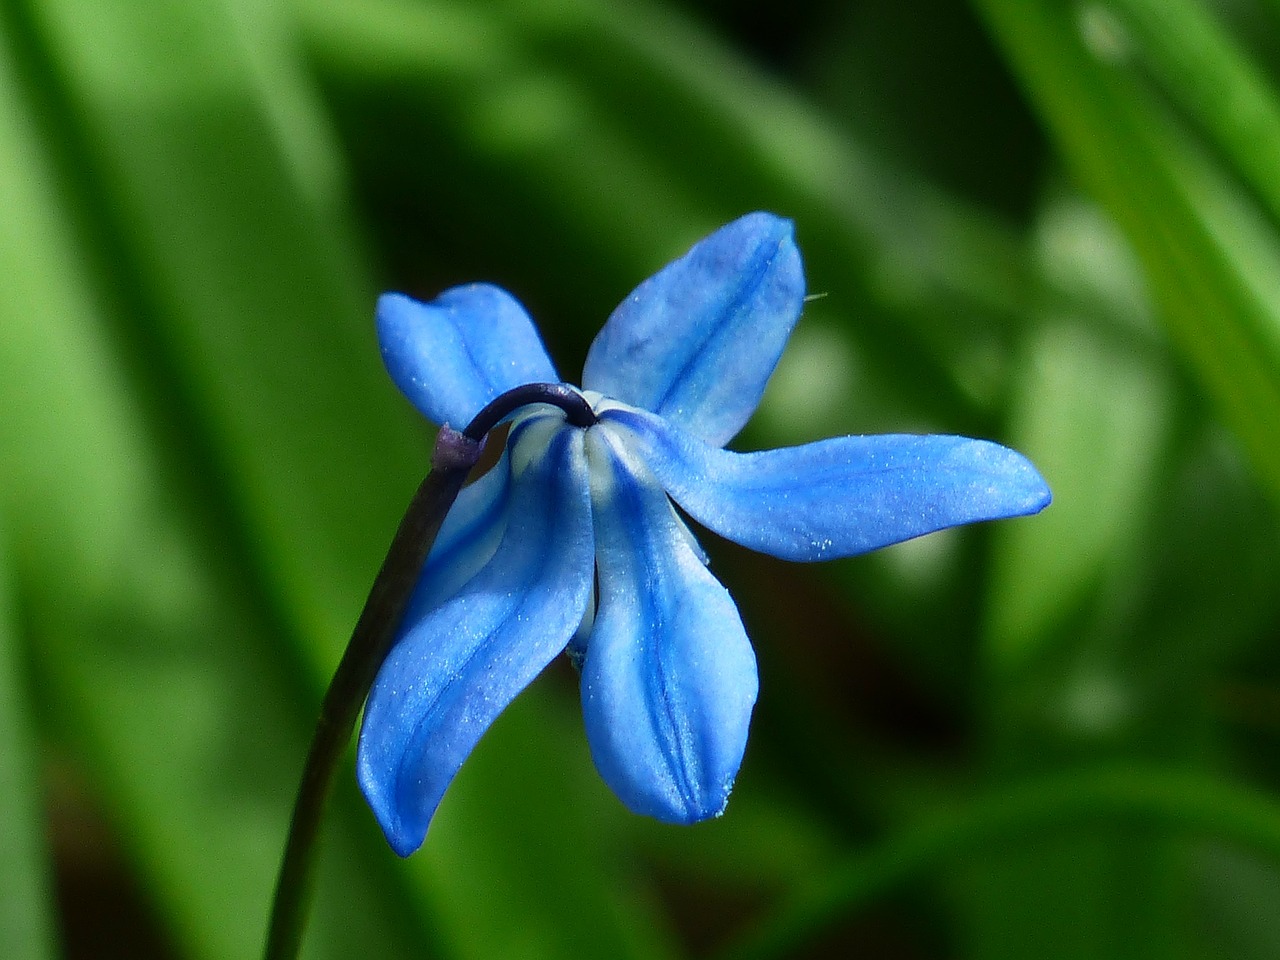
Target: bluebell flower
x=572, y=542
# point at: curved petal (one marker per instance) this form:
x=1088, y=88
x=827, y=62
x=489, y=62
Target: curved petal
x=467, y=540
x=697, y=341
x=453, y=355
x=472, y=529
x=453, y=671
x=669, y=678
x=838, y=497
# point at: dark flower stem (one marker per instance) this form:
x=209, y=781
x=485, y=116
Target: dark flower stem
x=455, y=454
x=575, y=406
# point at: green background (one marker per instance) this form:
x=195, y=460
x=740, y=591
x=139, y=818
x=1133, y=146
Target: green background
x=1053, y=224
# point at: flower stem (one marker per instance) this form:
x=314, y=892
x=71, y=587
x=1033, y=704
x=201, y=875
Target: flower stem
x=454, y=456
x=577, y=410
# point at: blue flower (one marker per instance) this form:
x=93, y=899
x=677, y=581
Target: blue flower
x=571, y=541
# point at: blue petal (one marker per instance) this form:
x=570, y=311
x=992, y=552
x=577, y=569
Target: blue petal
x=454, y=670
x=453, y=355
x=669, y=678
x=838, y=497
x=467, y=540
x=696, y=342
x=472, y=530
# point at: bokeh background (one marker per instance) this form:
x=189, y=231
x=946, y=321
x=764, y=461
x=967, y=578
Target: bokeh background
x=1045, y=222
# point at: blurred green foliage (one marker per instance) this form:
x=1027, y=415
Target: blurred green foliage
x=1056, y=224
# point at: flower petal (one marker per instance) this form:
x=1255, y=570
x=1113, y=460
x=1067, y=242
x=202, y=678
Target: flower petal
x=669, y=678
x=838, y=497
x=697, y=341
x=473, y=527
x=453, y=671
x=453, y=355
x=466, y=542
